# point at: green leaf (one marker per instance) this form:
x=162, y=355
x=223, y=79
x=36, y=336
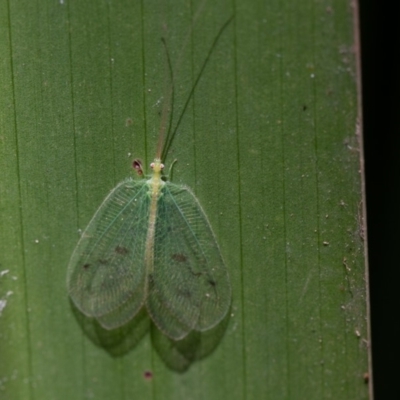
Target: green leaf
x=270, y=146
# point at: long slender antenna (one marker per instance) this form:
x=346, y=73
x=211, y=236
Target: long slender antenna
x=170, y=93
x=163, y=146
x=169, y=106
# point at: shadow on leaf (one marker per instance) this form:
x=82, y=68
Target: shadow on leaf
x=177, y=355
x=116, y=342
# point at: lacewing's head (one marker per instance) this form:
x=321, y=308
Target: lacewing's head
x=157, y=166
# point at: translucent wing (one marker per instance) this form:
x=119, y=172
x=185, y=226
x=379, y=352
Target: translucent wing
x=189, y=287
x=106, y=273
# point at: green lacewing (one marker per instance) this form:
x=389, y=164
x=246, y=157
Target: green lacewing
x=151, y=245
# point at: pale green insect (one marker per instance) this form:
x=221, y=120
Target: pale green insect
x=150, y=245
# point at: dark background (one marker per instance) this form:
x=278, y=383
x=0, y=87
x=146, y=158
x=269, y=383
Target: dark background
x=380, y=45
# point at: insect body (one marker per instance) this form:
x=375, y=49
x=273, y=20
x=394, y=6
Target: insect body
x=150, y=244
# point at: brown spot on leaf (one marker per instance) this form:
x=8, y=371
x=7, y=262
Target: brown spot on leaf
x=186, y=293
x=121, y=250
x=148, y=375
x=137, y=165
x=150, y=280
x=179, y=257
